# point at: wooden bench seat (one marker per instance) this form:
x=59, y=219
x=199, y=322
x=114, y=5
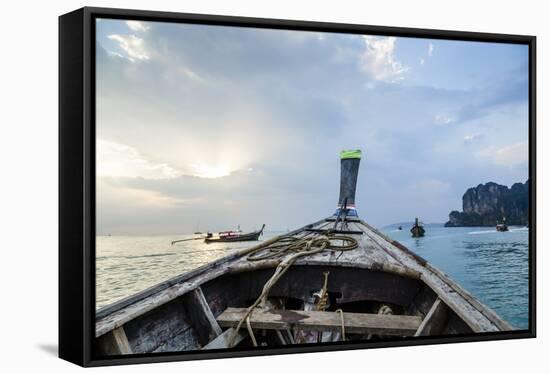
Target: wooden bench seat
x=355, y=323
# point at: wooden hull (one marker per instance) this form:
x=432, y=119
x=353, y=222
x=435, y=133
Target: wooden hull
x=383, y=290
x=240, y=238
x=417, y=232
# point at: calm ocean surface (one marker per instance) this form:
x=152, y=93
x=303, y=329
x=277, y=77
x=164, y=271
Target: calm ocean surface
x=129, y=264
x=492, y=266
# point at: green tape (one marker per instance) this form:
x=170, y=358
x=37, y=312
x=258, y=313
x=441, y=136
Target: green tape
x=356, y=153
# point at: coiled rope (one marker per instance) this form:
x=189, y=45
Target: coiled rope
x=289, y=249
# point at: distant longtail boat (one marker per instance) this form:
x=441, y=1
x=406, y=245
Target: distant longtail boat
x=502, y=227
x=336, y=279
x=235, y=236
x=417, y=231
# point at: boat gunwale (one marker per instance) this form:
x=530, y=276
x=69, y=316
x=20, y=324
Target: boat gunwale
x=401, y=271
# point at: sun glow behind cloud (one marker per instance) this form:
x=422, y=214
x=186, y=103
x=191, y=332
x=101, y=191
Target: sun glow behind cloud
x=120, y=160
x=206, y=171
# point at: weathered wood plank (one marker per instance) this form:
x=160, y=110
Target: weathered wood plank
x=434, y=321
x=201, y=317
x=113, y=343
x=141, y=307
x=184, y=340
x=222, y=341
x=121, y=341
x=369, y=250
x=157, y=327
x=327, y=321
x=355, y=263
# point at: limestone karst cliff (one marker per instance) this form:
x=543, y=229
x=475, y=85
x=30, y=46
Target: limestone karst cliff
x=488, y=203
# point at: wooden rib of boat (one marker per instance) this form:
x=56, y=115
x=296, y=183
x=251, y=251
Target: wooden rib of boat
x=378, y=290
x=251, y=236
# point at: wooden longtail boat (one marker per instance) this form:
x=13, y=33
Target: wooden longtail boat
x=337, y=278
x=417, y=231
x=502, y=227
x=251, y=236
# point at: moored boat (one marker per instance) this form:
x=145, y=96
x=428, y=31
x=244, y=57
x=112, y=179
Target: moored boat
x=235, y=236
x=417, y=230
x=333, y=280
x=502, y=227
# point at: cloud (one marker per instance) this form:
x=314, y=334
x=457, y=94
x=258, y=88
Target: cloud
x=473, y=138
x=119, y=160
x=422, y=61
x=510, y=155
x=430, y=187
x=189, y=73
x=115, y=194
x=137, y=26
x=430, y=49
x=115, y=54
x=132, y=45
x=444, y=119
x=466, y=106
x=379, y=60
x=249, y=198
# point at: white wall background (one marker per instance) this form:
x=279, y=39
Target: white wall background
x=28, y=198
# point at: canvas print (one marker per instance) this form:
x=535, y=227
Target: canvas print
x=262, y=188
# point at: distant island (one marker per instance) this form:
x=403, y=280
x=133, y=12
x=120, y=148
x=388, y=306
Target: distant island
x=489, y=203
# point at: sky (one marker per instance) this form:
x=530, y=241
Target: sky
x=209, y=127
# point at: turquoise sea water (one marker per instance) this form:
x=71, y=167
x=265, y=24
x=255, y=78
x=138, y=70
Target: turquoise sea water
x=493, y=266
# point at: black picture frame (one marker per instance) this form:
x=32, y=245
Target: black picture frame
x=77, y=179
